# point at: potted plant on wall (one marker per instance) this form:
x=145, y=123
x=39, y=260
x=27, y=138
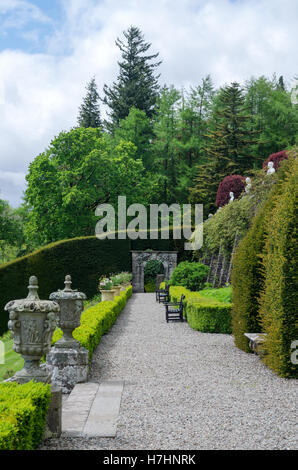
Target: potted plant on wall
x=116, y=280
x=125, y=280
x=106, y=289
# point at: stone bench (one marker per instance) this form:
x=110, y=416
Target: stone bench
x=256, y=341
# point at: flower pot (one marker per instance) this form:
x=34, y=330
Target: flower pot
x=107, y=294
x=117, y=289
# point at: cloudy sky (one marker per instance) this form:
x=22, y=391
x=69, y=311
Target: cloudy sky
x=50, y=49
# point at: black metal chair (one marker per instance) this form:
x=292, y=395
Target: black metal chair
x=174, y=310
x=163, y=295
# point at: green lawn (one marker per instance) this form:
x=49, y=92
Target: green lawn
x=12, y=361
x=223, y=294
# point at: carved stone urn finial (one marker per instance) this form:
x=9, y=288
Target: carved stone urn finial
x=32, y=323
x=33, y=288
x=67, y=283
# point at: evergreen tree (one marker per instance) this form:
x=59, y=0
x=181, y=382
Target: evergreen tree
x=281, y=84
x=136, y=84
x=137, y=128
x=230, y=146
x=274, y=116
x=89, y=112
x=193, y=121
x=163, y=147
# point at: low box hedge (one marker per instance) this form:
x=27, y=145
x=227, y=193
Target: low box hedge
x=23, y=413
x=209, y=316
x=96, y=321
x=204, y=314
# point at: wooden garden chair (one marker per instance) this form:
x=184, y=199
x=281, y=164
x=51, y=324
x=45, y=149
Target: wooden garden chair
x=174, y=310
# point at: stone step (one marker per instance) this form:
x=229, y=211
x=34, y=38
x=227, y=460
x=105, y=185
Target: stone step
x=92, y=410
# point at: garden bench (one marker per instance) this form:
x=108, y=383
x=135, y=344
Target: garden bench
x=174, y=310
x=163, y=295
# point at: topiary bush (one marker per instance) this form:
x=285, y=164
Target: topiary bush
x=189, y=275
x=23, y=413
x=232, y=183
x=276, y=158
x=278, y=302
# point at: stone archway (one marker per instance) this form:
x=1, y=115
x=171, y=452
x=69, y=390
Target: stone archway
x=139, y=260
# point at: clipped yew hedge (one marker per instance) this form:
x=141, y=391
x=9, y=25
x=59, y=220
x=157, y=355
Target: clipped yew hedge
x=278, y=302
x=23, y=413
x=247, y=281
x=247, y=272
x=84, y=258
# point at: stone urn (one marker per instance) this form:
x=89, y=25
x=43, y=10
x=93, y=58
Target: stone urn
x=71, y=307
x=68, y=361
x=107, y=294
x=32, y=323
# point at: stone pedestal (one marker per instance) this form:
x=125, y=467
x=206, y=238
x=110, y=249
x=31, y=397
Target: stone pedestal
x=68, y=367
x=53, y=426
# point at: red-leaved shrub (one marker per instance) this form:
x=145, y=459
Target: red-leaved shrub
x=276, y=158
x=232, y=183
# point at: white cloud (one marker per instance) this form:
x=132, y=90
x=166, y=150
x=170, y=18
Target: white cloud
x=40, y=93
x=16, y=13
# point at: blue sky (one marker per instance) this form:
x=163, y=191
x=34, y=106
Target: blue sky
x=49, y=50
x=26, y=28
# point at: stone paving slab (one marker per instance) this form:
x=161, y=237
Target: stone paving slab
x=103, y=416
x=92, y=410
x=76, y=409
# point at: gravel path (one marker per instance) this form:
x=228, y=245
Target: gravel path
x=188, y=390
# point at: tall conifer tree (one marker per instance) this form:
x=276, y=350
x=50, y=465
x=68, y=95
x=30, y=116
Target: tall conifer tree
x=230, y=146
x=136, y=84
x=89, y=112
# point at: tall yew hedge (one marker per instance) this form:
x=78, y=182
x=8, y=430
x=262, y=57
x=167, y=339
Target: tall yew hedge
x=247, y=281
x=248, y=271
x=278, y=302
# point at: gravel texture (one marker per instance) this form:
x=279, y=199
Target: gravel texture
x=187, y=390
